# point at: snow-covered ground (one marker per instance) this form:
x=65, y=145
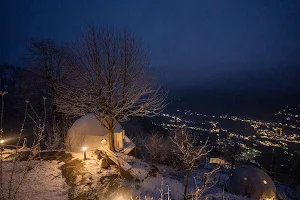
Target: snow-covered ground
x=46, y=181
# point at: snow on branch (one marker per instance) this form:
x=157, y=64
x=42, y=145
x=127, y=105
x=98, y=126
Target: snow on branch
x=187, y=151
x=109, y=77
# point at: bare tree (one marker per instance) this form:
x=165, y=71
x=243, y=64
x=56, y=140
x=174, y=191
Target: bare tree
x=48, y=60
x=203, y=182
x=231, y=151
x=47, y=63
x=188, y=153
x=110, y=79
x=155, y=146
x=10, y=183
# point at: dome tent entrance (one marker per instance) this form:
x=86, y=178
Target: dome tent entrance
x=88, y=131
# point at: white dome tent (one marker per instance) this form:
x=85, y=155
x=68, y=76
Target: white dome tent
x=89, y=132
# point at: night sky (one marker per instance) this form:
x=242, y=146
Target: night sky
x=191, y=42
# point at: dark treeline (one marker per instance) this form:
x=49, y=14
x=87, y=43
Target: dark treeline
x=44, y=64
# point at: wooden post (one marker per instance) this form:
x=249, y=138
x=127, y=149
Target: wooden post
x=84, y=155
x=25, y=143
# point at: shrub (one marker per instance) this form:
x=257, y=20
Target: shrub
x=161, y=150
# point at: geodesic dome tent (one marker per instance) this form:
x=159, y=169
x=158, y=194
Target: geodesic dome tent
x=88, y=131
x=252, y=182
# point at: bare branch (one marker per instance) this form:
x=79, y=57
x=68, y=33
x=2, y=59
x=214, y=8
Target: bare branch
x=110, y=78
x=188, y=153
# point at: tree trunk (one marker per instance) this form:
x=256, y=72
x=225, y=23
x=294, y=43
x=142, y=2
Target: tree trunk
x=186, y=183
x=111, y=140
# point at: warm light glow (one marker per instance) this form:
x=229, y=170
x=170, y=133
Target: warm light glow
x=121, y=197
x=84, y=148
x=2, y=141
x=103, y=142
x=265, y=182
x=245, y=178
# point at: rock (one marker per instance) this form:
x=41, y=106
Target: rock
x=71, y=170
x=99, y=154
x=109, y=161
x=153, y=171
x=125, y=174
x=137, y=187
x=23, y=155
x=137, y=180
x=104, y=164
x=60, y=156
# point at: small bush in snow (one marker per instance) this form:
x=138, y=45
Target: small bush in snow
x=161, y=150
